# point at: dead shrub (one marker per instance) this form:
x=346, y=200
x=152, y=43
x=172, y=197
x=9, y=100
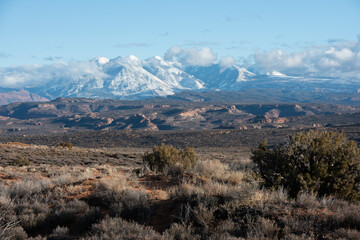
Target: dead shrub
x=117, y=228
x=28, y=187
x=344, y=233
x=262, y=228
x=180, y=231
x=66, y=145
x=307, y=200
x=60, y=233
x=210, y=168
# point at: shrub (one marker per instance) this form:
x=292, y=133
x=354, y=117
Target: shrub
x=324, y=163
x=65, y=145
x=343, y=233
x=166, y=156
x=9, y=229
x=210, y=168
x=262, y=229
x=180, y=231
x=60, y=233
x=28, y=187
x=117, y=228
x=122, y=201
x=20, y=162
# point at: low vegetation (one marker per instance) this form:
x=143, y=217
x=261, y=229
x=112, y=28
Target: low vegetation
x=208, y=199
x=167, y=156
x=67, y=145
x=21, y=161
x=324, y=163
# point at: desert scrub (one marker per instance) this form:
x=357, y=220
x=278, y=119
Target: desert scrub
x=21, y=162
x=66, y=145
x=117, y=228
x=9, y=228
x=166, y=155
x=218, y=171
x=28, y=187
x=324, y=163
x=122, y=199
x=60, y=233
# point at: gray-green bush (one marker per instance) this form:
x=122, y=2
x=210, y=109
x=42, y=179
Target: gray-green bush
x=324, y=163
x=166, y=156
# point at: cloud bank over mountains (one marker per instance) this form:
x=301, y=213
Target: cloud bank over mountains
x=191, y=56
x=335, y=60
x=34, y=75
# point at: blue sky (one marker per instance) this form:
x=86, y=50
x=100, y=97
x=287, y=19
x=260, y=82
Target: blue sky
x=43, y=32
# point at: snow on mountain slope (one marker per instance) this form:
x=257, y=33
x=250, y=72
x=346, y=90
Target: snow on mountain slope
x=244, y=74
x=133, y=78
x=128, y=77
x=122, y=77
x=223, y=78
x=172, y=73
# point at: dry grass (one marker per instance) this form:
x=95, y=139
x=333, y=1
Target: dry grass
x=217, y=200
x=117, y=228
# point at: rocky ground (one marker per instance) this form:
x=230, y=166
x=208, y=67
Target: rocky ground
x=71, y=115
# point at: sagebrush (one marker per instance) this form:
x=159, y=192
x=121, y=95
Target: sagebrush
x=324, y=163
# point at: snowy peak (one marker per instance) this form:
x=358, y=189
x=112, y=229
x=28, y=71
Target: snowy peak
x=244, y=74
x=221, y=78
x=172, y=74
x=133, y=78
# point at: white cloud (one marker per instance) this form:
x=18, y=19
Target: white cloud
x=172, y=52
x=34, y=75
x=336, y=60
x=227, y=61
x=191, y=56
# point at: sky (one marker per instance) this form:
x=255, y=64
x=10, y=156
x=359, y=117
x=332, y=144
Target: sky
x=259, y=33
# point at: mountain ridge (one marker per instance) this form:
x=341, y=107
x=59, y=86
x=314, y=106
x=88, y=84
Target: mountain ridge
x=131, y=78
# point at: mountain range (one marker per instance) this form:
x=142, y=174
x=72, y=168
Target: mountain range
x=131, y=78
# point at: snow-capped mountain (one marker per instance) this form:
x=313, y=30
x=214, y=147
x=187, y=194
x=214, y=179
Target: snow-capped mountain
x=134, y=78
x=172, y=73
x=218, y=77
x=124, y=78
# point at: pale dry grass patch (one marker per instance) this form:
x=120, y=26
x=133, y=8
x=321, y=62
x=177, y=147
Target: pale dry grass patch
x=115, y=184
x=66, y=175
x=29, y=187
x=279, y=196
x=307, y=200
x=117, y=228
x=5, y=198
x=243, y=192
x=344, y=233
x=232, y=177
x=218, y=171
x=262, y=228
x=210, y=168
x=61, y=180
x=13, y=172
x=241, y=164
x=180, y=231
